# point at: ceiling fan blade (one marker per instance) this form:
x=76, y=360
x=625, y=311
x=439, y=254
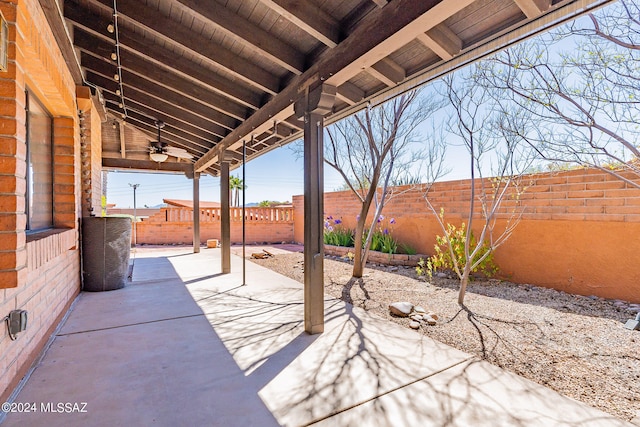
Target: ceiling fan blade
x=178, y=152
x=180, y=155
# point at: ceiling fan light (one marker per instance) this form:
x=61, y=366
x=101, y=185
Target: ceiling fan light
x=158, y=157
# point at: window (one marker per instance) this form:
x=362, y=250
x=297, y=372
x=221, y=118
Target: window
x=39, y=166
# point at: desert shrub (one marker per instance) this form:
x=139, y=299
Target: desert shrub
x=441, y=259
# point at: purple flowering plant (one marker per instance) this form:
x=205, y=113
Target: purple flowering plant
x=336, y=234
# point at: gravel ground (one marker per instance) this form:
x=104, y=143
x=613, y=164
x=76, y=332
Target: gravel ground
x=573, y=344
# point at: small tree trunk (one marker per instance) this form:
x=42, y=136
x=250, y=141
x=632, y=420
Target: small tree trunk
x=358, y=267
x=464, y=280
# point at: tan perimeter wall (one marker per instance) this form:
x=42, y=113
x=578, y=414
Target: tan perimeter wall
x=578, y=231
x=175, y=226
x=39, y=272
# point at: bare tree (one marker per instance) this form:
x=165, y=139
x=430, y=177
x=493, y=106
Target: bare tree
x=371, y=150
x=587, y=100
x=480, y=124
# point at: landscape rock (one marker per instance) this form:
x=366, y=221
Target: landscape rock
x=414, y=325
x=433, y=316
x=634, y=307
x=393, y=268
x=416, y=317
x=401, y=309
x=441, y=275
x=419, y=309
x=430, y=320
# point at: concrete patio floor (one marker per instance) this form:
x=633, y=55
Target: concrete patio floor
x=183, y=345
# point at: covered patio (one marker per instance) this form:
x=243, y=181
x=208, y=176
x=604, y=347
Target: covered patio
x=183, y=344
x=206, y=87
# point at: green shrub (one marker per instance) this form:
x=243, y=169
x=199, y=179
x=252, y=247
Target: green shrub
x=457, y=237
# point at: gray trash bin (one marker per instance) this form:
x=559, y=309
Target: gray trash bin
x=106, y=243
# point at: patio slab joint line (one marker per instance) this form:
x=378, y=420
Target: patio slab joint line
x=355, y=405
x=130, y=324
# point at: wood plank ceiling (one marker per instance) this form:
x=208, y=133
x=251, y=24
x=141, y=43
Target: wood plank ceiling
x=220, y=72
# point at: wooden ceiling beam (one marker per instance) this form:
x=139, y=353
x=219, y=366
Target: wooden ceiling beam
x=376, y=36
x=134, y=81
x=382, y=31
x=387, y=71
x=156, y=104
x=442, y=41
x=309, y=18
x=380, y=3
x=164, y=78
x=146, y=165
x=193, y=142
x=181, y=121
x=533, y=8
x=172, y=32
x=91, y=39
x=294, y=123
x=144, y=125
x=350, y=93
x=252, y=37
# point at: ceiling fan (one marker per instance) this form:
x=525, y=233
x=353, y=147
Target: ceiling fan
x=159, y=151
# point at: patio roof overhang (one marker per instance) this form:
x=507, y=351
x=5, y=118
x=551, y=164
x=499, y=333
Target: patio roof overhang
x=220, y=73
x=232, y=79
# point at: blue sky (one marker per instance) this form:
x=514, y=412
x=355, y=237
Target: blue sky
x=277, y=175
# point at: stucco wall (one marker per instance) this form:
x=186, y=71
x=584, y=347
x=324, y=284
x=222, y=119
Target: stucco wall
x=576, y=234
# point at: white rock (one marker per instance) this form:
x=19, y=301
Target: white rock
x=433, y=316
x=419, y=309
x=414, y=325
x=430, y=320
x=402, y=309
x=416, y=317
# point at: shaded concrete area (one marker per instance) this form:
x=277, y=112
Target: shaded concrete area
x=185, y=345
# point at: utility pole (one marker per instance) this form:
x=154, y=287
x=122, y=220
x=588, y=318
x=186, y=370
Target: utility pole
x=135, y=216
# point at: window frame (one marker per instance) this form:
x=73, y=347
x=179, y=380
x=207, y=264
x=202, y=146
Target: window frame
x=30, y=98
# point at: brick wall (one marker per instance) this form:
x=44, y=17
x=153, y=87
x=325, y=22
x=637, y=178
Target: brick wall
x=91, y=154
x=175, y=226
x=576, y=232
x=40, y=272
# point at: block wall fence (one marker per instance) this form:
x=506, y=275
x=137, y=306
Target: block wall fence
x=39, y=272
x=175, y=226
x=578, y=232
